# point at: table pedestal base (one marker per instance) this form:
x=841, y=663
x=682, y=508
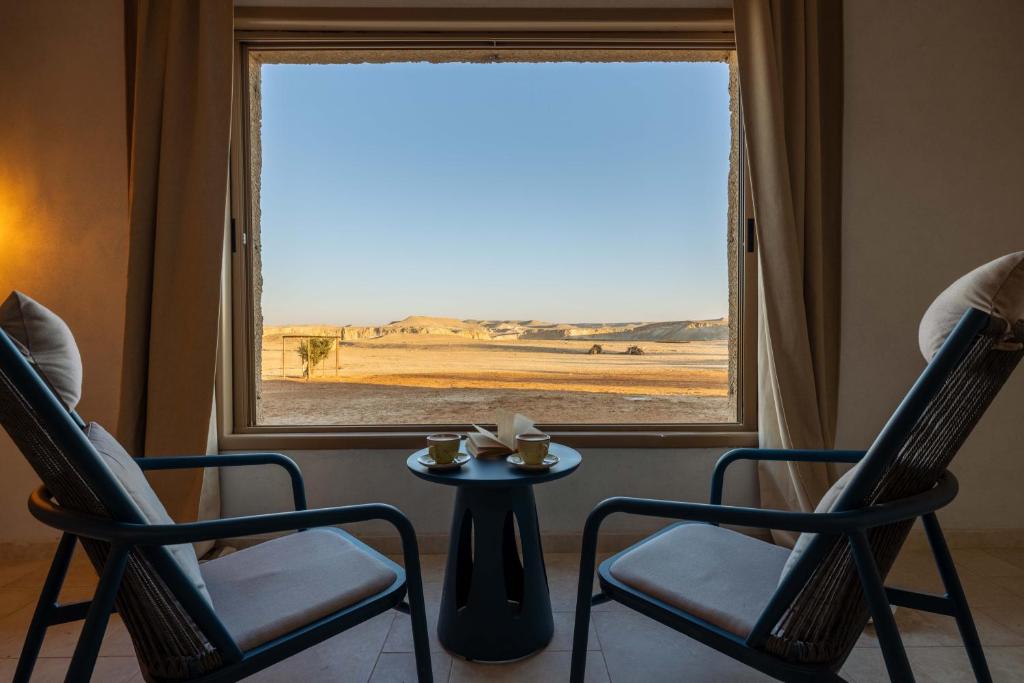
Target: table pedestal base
x=495, y=605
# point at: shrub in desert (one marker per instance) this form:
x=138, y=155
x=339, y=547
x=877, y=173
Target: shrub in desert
x=312, y=351
x=634, y=351
x=595, y=349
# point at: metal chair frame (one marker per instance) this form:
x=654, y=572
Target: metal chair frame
x=847, y=522
x=123, y=537
x=126, y=531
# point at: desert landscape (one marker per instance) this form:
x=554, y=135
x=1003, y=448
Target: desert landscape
x=442, y=370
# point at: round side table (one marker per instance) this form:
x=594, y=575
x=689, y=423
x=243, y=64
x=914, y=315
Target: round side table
x=495, y=605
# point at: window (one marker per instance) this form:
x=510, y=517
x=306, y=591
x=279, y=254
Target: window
x=427, y=237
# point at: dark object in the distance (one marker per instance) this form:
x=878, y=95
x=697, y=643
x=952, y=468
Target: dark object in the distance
x=634, y=351
x=595, y=349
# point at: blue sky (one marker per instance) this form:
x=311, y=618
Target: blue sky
x=564, y=192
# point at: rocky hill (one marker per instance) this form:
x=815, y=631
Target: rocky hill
x=669, y=331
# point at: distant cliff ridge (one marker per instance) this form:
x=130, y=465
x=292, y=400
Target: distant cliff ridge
x=671, y=331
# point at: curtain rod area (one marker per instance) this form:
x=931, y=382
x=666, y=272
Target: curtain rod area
x=319, y=19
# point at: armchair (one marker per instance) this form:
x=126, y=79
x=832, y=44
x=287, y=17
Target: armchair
x=796, y=615
x=219, y=621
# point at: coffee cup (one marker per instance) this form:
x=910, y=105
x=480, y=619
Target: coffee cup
x=443, y=447
x=532, y=448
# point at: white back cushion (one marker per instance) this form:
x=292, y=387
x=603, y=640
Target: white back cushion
x=996, y=288
x=826, y=504
x=47, y=342
x=134, y=482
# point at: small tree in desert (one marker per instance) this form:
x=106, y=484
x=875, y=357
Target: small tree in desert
x=312, y=351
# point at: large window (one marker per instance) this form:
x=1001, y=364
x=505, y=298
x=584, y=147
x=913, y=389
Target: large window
x=430, y=237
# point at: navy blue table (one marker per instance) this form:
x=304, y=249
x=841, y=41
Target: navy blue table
x=495, y=605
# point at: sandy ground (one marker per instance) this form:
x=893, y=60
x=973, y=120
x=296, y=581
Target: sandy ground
x=416, y=379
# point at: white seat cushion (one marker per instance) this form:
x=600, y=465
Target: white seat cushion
x=718, y=575
x=268, y=590
x=47, y=342
x=996, y=288
x=135, y=484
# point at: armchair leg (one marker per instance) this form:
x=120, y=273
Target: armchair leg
x=417, y=607
x=895, y=655
x=588, y=558
x=41, y=619
x=84, y=659
x=418, y=616
x=955, y=593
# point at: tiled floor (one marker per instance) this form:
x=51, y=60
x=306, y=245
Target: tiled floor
x=625, y=647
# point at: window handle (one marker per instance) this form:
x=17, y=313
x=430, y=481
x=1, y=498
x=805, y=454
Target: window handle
x=750, y=235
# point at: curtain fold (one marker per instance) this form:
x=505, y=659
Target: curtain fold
x=178, y=78
x=790, y=71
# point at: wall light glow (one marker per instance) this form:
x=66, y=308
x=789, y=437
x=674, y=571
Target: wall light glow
x=18, y=249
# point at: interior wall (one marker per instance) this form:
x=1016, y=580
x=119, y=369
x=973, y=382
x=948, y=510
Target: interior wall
x=63, y=198
x=931, y=176
x=931, y=188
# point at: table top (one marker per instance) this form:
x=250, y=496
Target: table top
x=496, y=472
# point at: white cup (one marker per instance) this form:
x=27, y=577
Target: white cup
x=443, y=447
x=533, y=448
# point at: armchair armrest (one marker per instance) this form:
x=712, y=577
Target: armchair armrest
x=45, y=510
x=813, y=522
x=235, y=460
x=777, y=454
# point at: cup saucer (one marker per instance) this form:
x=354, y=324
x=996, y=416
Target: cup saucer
x=517, y=461
x=431, y=464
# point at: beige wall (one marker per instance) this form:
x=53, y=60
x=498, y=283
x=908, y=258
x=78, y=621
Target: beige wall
x=932, y=185
x=63, y=203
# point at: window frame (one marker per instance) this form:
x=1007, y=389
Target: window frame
x=282, y=29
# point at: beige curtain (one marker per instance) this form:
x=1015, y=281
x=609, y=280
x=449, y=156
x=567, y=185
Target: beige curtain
x=179, y=69
x=790, y=69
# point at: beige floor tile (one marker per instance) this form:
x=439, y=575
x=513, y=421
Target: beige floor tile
x=564, y=626
x=1014, y=556
x=431, y=566
x=400, y=667
x=12, y=600
x=987, y=590
x=950, y=664
x=563, y=583
x=1013, y=584
x=636, y=648
x=53, y=669
x=541, y=668
x=864, y=665
x=79, y=580
x=625, y=647
x=1010, y=614
x=983, y=563
x=937, y=665
x=922, y=629
x=399, y=638
x=917, y=571
x=13, y=571
x=346, y=658
x=61, y=639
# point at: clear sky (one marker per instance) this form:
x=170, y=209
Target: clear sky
x=563, y=192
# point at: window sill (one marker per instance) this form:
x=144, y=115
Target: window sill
x=346, y=440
